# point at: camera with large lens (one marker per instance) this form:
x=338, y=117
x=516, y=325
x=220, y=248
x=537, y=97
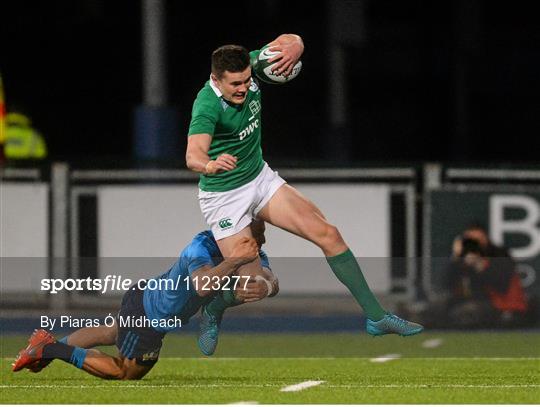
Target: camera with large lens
x=471, y=246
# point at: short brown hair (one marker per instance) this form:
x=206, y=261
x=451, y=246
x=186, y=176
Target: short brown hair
x=232, y=58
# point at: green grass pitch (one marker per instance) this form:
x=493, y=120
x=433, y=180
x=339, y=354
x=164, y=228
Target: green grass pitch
x=487, y=368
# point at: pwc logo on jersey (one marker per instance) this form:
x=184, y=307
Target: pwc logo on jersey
x=225, y=223
x=249, y=129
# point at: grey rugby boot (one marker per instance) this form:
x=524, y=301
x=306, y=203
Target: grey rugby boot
x=208, y=332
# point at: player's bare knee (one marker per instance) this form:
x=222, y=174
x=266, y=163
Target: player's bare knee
x=130, y=370
x=120, y=369
x=330, y=238
x=124, y=373
x=118, y=373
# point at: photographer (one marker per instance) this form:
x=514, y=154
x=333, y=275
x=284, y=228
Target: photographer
x=485, y=289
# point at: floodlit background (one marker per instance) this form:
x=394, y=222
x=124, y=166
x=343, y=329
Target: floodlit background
x=410, y=120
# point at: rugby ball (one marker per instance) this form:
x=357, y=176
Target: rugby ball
x=263, y=69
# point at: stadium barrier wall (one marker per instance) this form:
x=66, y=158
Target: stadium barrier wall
x=170, y=217
x=57, y=224
x=135, y=213
x=25, y=232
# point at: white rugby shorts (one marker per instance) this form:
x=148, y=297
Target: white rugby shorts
x=227, y=213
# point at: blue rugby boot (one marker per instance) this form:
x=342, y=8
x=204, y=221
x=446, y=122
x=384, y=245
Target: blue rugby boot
x=208, y=332
x=392, y=324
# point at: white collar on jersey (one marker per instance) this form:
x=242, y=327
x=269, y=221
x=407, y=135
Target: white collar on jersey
x=215, y=88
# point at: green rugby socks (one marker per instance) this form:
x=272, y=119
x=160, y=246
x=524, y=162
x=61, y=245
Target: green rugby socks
x=223, y=300
x=348, y=271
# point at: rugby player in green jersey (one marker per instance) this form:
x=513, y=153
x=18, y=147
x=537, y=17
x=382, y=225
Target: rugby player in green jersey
x=236, y=185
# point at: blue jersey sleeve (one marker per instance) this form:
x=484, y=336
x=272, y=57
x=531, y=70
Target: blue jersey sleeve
x=264, y=259
x=202, y=251
x=198, y=259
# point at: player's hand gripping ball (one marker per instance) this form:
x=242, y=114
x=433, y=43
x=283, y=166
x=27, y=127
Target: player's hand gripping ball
x=263, y=69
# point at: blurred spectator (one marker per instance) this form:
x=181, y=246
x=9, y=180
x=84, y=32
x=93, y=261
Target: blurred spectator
x=22, y=141
x=2, y=120
x=485, y=289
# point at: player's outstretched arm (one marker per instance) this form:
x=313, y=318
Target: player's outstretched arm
x=245, y=251
x=291, y=48
x=197, y=158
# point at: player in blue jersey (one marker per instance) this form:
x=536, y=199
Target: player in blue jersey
x=201, y=272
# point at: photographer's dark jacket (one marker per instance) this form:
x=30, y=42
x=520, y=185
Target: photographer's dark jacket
x=499, y=283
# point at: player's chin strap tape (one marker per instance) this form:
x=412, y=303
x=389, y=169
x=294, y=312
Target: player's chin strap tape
x=268, y=285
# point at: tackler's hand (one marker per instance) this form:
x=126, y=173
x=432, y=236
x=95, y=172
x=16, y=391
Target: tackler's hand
x=245, y=251
x=255, y=289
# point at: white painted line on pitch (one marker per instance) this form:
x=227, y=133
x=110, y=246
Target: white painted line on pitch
x=439, y=386
x=432, y=343
x=302, y=386
x=441, y=358
x=315, y=358
x=136, y=386
x=335, y=386
x=385, y=358
x=244, y=403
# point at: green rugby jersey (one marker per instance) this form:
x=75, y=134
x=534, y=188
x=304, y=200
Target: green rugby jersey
x=235, y=130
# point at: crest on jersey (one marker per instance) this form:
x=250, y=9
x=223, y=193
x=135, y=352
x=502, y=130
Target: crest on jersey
x=254, y=107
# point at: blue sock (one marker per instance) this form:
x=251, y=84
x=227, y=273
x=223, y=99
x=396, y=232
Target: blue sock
x=78, y=356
